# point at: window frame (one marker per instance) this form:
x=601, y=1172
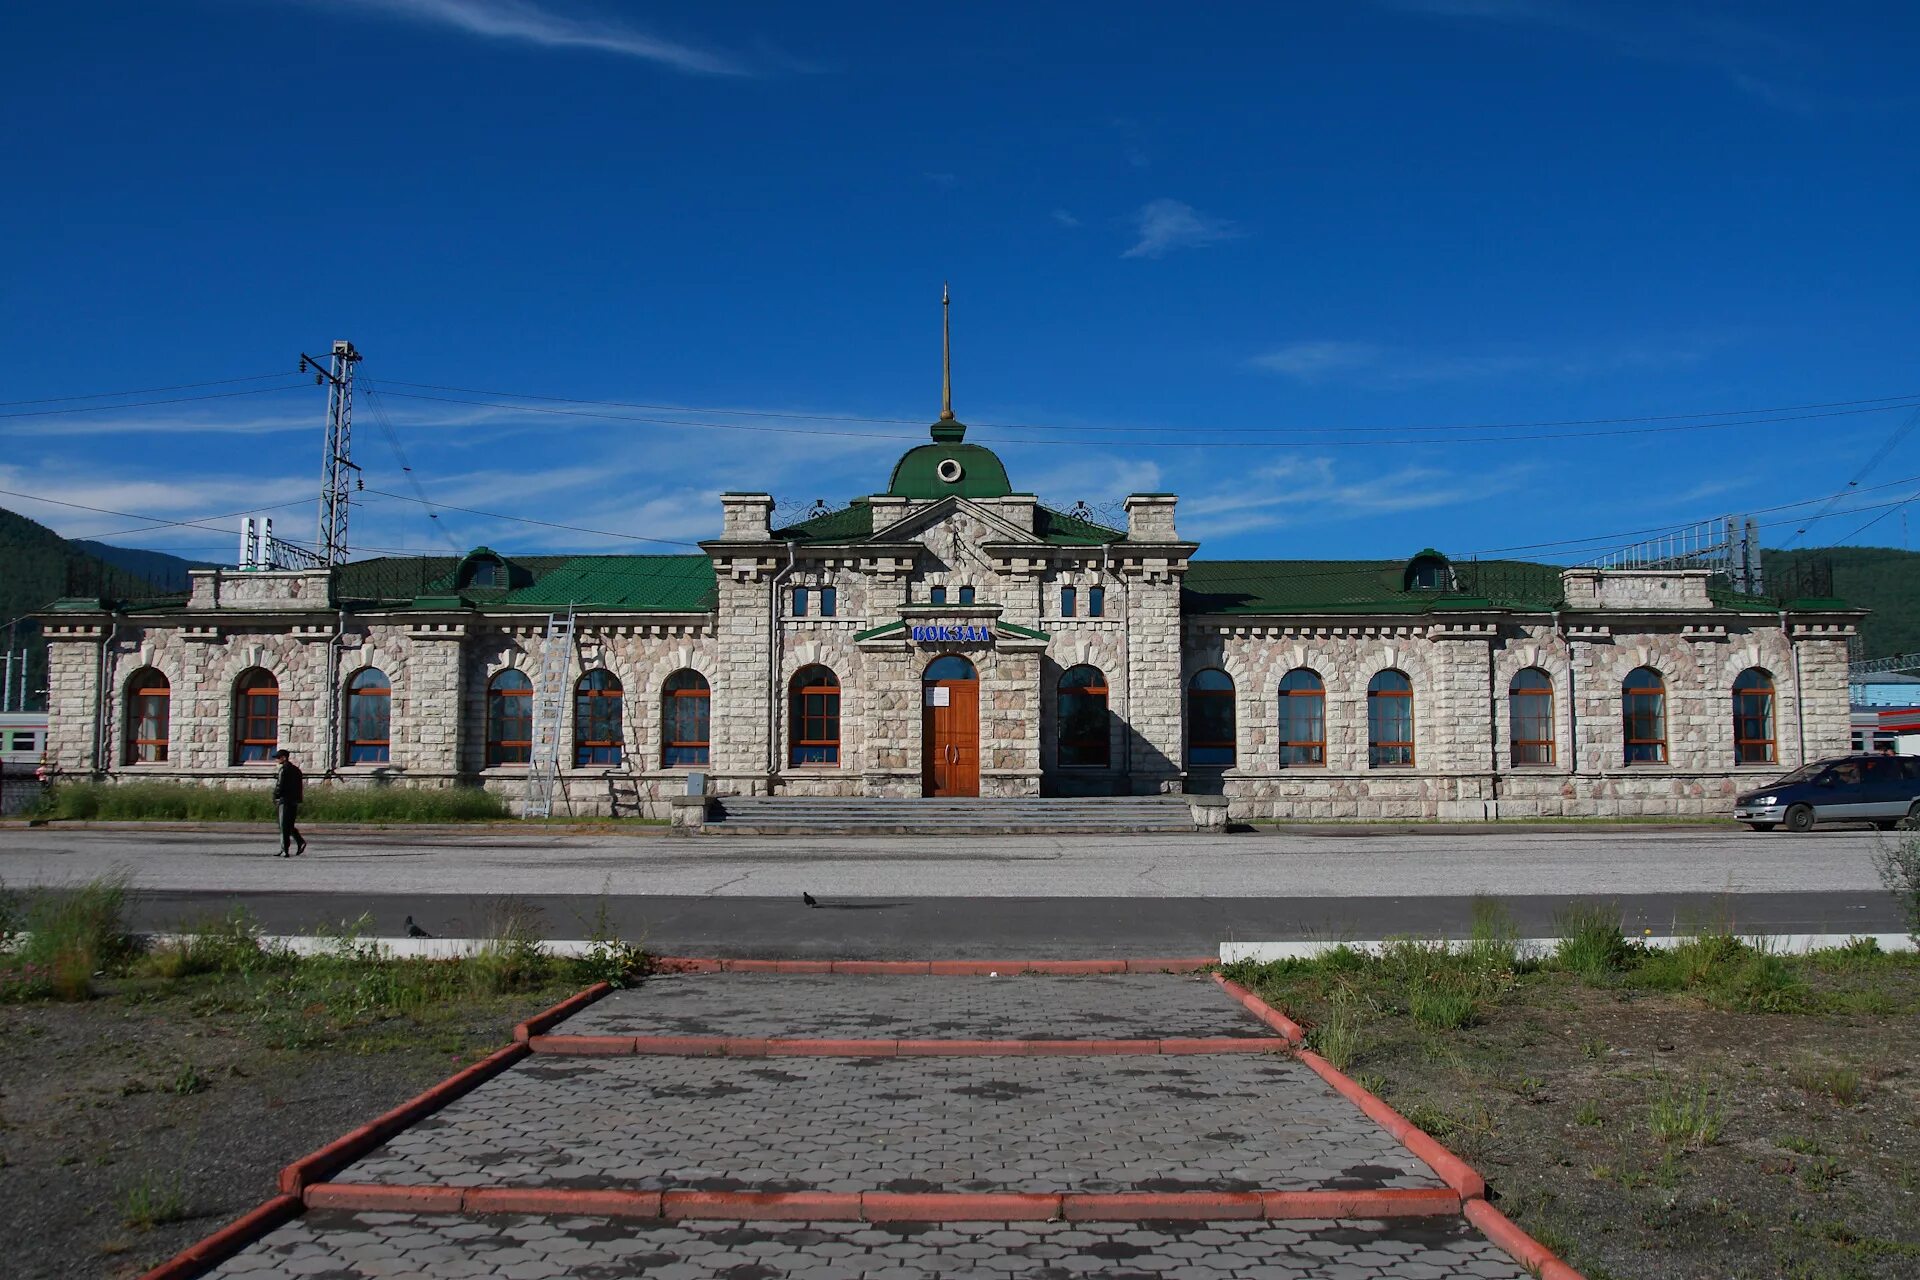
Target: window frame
x=800, y=718
x=829, y=601
x=1069, y=600
x=1768, y=695
x=936, y=595
x=1517, y=745
x=676, y=703
x=1630, y=695
x=142, y=691
x=591, y=692
x=967, y=595
x=1199, y=697
x=497, y=745
x=377, y=750
x=799, y=609
x=1096, y=602
x=1313, y=751
x=1084, y=753
x=248, y=747
x=1384, y=752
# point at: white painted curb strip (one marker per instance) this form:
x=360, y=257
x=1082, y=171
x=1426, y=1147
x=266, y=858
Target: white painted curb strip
x=302, y=944
x=1779, y=943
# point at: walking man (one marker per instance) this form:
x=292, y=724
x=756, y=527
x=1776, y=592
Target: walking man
x=289, y=788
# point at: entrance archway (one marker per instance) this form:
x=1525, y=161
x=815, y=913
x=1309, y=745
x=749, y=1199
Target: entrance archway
x=950, y=727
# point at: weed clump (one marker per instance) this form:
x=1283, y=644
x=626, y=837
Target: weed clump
x=1686, y=1117
x=70, y=935
x=1590, y=942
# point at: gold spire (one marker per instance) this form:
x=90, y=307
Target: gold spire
x=946, y=355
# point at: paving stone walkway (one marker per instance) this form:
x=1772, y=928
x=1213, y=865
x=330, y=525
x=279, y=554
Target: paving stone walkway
x=359, y=1246
x=1103, y=1007
x=1238, y=1123
x=1205, y=1122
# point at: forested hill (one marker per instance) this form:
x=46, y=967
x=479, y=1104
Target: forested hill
x=1883, y=579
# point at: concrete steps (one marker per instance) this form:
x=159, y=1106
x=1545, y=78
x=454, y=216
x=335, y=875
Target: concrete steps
x=866, y=815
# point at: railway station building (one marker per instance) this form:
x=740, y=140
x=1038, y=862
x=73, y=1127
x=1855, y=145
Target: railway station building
x=950, y=635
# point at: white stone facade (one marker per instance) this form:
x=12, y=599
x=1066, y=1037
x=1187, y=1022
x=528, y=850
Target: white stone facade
x=440, y=655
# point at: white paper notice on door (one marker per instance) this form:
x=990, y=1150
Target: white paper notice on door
x=938, y=696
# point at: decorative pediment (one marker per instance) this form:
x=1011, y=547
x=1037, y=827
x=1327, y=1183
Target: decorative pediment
x=924, y=525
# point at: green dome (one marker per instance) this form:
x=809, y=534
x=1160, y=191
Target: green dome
x=919, y=473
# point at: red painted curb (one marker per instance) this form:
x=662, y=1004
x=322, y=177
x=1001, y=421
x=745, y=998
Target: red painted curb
x=1528, y=1252
x=934, y=968
x=1453, y=1171
x=1393, y=1202
x=961, y=1048
x=1260, y=1009
x=384, y=1196
x=1132, y=1206
x=746, y=1206
x=795, y=1047
x=540, y=1022
x=562, y=1200
x=202, y=1255
x=596, y=1046
x=344, y=1150
x=888, y=1206
x=1088, y=1048
x=1225, y=1044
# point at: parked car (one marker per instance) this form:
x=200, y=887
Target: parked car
x=1883, y=790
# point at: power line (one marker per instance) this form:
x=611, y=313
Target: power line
x=406, y=468
x=1184, y=443
x=1036, y=426
x=1891, y=508
x=1879, y=456
x=141, y=404
x=141, y=391
x=545, y=524
x=196, y=523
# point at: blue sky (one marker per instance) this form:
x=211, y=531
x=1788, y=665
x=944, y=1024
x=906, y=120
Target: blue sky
x=1251, y=254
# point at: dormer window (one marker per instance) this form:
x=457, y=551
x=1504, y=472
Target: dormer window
x=482, y=569
x=1429, y=571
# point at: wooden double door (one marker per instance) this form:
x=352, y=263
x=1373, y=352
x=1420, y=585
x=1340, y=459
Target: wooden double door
x=950, y=728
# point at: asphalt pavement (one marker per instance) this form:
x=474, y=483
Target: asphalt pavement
x=926, y=897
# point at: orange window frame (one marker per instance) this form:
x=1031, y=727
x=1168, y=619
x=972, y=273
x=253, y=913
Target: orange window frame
x=1641, y=706
x=149, y=750
x=814, y=705
x=1743, y=714
x=673, y=717
x=1313, y=749
x=586, y=712
x=1090, y=751
x=499, y=747
x=1521, y=751
x=254, y=746
x=1380, y=746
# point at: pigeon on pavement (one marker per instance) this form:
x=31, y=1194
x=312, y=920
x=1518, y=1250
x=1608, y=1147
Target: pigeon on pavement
x=809, y=899
x=415, y=931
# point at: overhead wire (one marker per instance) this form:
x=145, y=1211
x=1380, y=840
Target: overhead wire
x=1035, y=426
x=141, y=404
x=142, y=391
x=1184, y=443
x=406, y=468
x=1900, y=433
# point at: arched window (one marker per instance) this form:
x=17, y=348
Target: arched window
x=1210, y=723
x=596, y=720
x=948, y=666
x=1428, y=571
x=509, y=718
x=369, y=716
x=148, y=695
x=256, y=717
x=1390, y=721
x=1084, y=740
x=813, y=718
x=1643, y=714
x=1753, y=740
x=1303, y=719
x=1530, y=716
x=685, y=718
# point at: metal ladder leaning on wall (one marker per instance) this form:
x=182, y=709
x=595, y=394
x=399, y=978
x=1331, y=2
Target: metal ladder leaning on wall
x=549, y=701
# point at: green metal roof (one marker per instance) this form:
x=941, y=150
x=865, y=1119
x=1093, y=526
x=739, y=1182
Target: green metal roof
x=1064, y=530
x=916, y=475
x=1361, y=586
x=849, y=524
x=650, y=584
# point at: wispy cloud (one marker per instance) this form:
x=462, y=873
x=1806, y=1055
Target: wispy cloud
x=1163, y=225
x=1754, y=59
x=528, y=23
x=1065, y=219
x=1320, y=360
x=1310, y=490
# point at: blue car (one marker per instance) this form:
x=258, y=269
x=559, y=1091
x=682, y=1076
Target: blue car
x=1883, y=790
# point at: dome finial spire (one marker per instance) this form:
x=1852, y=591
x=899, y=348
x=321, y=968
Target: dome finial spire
x=948, y=428
x=946, y=353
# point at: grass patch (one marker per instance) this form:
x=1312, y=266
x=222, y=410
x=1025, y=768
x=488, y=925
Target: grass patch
x=1842, y=1083
x=152, y=1202
x=67, y=936
x=179, y=802
x=1685, y=1116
